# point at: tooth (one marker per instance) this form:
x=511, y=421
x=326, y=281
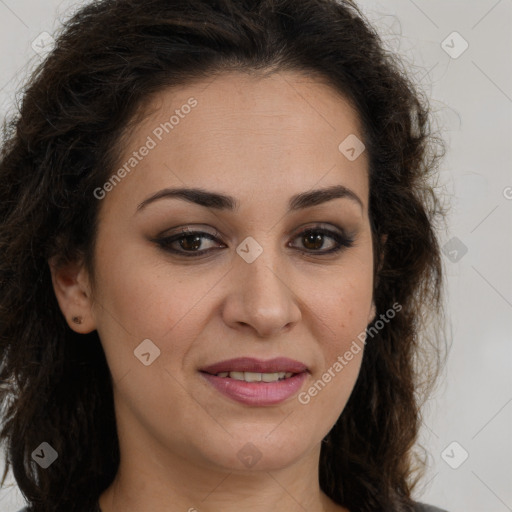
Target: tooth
x=237, y=375
x=252, y=377
x=269, y=377
x=256, y=376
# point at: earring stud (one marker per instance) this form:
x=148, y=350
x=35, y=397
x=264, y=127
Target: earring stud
x=77, y=319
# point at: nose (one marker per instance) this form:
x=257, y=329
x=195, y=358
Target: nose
x=260, y=296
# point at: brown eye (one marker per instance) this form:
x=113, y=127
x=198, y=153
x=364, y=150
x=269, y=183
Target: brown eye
x=186, y=243
x=189, y=243
x=314, y=239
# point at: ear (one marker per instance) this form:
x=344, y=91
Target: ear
x=373, y=310
x=72, y=290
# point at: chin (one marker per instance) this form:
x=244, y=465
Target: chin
x=259, y=451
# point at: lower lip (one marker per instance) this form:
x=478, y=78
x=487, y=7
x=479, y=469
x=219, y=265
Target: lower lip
x=257, y=393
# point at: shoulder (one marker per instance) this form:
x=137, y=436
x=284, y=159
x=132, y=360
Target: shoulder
x=423, y=507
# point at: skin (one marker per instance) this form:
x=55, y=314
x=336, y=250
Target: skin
x=260, y=140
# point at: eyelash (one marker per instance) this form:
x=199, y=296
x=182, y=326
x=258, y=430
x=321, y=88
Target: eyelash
x=165, y=242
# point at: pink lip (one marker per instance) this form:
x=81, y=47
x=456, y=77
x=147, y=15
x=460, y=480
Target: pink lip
x=257, y=393
x=250, y=364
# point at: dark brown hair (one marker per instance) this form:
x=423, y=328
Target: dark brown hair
x=65, y=141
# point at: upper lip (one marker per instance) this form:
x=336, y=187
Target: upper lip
x=251, y=364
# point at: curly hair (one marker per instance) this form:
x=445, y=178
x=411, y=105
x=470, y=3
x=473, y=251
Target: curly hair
x=64, y=142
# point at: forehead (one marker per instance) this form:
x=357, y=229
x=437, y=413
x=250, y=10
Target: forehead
x=284, y=132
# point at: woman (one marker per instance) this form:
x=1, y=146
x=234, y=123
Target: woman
x=217, y=258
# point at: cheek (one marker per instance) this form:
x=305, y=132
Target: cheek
x=341, y=319
x=348, y=308
x=341, y=303
x=146, y=291
x=341, y=308
x=142, y=299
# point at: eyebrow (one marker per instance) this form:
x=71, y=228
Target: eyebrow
x=217, y=201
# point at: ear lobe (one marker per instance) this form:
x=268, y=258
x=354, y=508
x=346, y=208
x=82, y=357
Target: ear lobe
x=72, y=290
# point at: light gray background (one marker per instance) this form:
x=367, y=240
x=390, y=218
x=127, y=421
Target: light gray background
x=472, y=95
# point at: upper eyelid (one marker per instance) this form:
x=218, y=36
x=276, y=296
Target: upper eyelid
x=199, y=229
x=319, y=226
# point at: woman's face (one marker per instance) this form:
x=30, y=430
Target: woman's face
x=253, y=285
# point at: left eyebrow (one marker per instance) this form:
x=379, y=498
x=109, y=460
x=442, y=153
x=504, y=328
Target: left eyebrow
x=217, y=201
